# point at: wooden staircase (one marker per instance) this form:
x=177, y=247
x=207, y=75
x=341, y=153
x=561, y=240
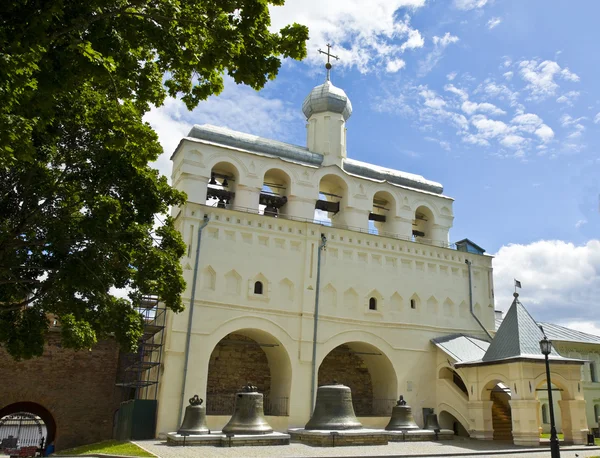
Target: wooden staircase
x=501, y=419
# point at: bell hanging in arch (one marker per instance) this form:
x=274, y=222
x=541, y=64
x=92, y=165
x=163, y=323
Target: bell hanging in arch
x=402, y=417
x=248, y=416
x=333, y=409
x=194, y=420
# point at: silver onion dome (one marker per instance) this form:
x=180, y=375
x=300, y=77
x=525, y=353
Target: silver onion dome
x=327, y=97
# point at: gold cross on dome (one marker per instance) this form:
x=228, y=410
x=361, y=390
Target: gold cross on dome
x=328, y=54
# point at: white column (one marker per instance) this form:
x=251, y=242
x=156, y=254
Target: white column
x=246, y=197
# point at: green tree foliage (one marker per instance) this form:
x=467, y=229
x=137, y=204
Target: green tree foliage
x=78, y=200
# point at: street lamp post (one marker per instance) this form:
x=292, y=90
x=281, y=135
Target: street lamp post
x=546, y=347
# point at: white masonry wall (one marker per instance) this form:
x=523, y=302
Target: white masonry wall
x=239, y=248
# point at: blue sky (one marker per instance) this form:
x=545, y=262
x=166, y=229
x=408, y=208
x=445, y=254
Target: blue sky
x=498, y=100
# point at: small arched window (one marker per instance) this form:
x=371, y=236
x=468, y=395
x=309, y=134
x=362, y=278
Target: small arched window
x=597, y=412
x=373, y=304
x=258, y=287
x=413, y=304
x=593, y=375
x=545, y=414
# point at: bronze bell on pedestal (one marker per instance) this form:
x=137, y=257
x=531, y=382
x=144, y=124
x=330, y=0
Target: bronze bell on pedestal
x=431, y=422
x=333, y=409
x=248, y=416
x=194, y=421
x=402, y=417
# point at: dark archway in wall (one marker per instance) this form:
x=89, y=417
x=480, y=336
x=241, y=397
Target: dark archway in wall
x=367, y=372
x=35, y=409
x=344, y=366
x=449, y=421
x=248, y=355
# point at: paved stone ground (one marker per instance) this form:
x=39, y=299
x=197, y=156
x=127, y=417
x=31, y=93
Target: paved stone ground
x=463, y=448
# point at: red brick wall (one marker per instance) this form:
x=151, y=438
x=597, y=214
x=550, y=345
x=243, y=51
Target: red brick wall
x=234, y=364
x=77, y=388
x=349, y=369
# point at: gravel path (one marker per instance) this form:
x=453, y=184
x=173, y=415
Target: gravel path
x=461, y=448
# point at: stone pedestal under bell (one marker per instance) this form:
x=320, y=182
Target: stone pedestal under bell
x=334, y=423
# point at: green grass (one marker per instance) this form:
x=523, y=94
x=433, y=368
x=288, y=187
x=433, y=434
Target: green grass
x=111, y=447
x=561, y=437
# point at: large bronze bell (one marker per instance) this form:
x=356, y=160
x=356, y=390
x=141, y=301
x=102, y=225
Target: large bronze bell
x=248, y=416
x=194, y=421
x=431, y=422
x=333, y=409
x=402, y=417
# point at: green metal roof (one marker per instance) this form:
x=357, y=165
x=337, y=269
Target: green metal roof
x=517, y=337
x=560, y=333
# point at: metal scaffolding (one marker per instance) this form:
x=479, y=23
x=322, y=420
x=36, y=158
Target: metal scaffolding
x=139, y=372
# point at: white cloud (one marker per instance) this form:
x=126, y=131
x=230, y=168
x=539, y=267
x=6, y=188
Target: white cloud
x=568, y=97
x=485, y=107
x=494, y=22
x=451, y=76
x=415, y=40
x=238, y=107
x=444, y=144
x=561, y=281
x=528, y=121
x=394, y=65
x=363, y=32
x=584, y=326
x=541, y=77
x=432, y=100
x=439, y=44
x=580, y=223
x=444, y=41
x=469, y=4
x=545, y=133
x=460, y=92
x=508, y=75
x=597, y=118
x=512, y=141
x=499, y=91
x=489, y=128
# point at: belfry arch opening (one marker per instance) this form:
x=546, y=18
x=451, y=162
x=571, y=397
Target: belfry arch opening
x=383, y=212
x=332, y=199
x=248, y=356
x=222, y=185
x=423, y=224
x=369, y=374
x=29, y=423
x=274, y=193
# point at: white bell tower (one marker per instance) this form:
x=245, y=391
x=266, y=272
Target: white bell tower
x=327, y=108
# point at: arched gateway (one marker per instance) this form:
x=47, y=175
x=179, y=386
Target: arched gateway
x=248, y=355
x=26, y=423
x=367, y=371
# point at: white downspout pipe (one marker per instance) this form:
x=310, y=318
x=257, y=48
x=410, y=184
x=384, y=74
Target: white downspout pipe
x=316, y=321
x=188, y=337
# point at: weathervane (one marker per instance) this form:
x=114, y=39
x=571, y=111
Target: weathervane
x=328, y=54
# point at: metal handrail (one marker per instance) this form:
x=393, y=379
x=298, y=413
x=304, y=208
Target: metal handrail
x=224, y=404
x=372, y=407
